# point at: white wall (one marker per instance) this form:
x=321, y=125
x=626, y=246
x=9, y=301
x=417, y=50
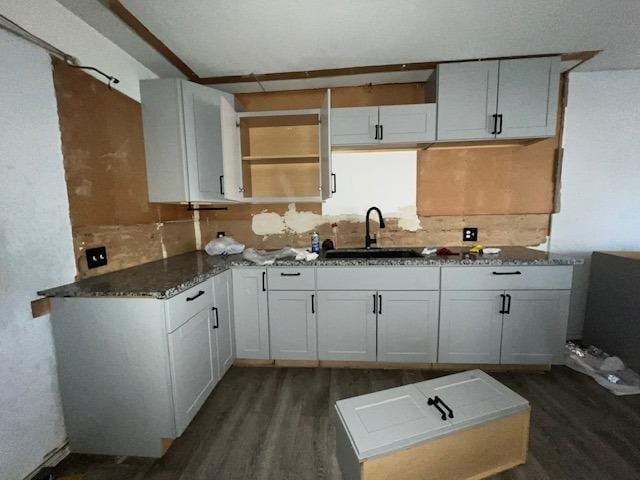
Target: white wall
x=52, y=22
x=600, y=183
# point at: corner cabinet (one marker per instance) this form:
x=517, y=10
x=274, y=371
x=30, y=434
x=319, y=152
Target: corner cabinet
x=498, y=99
x=186, y=136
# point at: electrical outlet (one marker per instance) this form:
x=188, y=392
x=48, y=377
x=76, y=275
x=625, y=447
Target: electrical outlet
x=96, y=257
x=220, y=234
x=469, y=234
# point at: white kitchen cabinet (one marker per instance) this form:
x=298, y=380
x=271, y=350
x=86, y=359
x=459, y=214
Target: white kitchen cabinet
x=251, y=316
x=535, y=326
x=194, y=366
x=470, y=326
x=390, y=124
x=183, y=138
x=347, y=325
x=223, y=320
x=292, y=325
x=408, y=326
x=498, y=99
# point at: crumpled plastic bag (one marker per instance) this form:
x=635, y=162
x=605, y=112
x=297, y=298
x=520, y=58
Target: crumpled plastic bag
x=610, y=372
x=262, y=257
x=224, y=246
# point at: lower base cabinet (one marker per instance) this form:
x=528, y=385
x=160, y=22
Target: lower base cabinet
x=251, y=314
x=292, y=325
x=223, y=312
x=347, y=325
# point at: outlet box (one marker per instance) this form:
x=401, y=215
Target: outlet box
x=469, y=234
x=96, y=257
x=220, y=234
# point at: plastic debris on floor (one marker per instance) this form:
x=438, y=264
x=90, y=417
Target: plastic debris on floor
x=608, y=371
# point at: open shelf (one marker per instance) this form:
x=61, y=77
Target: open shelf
x=277, y=158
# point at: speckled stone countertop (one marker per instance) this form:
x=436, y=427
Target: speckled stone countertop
x=168, y=277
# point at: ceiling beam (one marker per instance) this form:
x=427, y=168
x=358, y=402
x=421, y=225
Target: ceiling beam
x=398, y=67
x=143, y=32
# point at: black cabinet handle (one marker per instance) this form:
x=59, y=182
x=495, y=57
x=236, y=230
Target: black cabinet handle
x=221, y=185
x=375, y=303
x=199, y=294
x=264, y=284
x=381, y=132
x=376, y=135
x=335, y=183
x=517, y=272
x=508, y=309
x=217, y=324
x=500, y=129
x=297, y=274
x=313, y=301
x=432, y=402
x=502, y=296
x=438, y=399
x=495, y=124
x=380, y=304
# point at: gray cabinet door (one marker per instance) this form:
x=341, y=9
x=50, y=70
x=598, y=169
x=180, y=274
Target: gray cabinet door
x=346, y=325
x=223, y=322
x=467, y=100
x=327, y=184
x=470, y=326
x=292, y=325
x=528, y=97
x=251, y=317
x=354, y=125
x=535, y=327
x=231, y=152
x=193, y=372
x=407, y=124
x=408, y=326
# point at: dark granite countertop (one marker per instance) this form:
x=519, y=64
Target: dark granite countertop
x=166, y=278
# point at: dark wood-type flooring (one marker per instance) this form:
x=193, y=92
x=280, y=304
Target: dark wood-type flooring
x=279, y=423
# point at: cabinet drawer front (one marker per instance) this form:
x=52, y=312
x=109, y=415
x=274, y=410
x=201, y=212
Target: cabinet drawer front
x=507, y=278
x=186, y=304
x=378, y=278
x=290, y=278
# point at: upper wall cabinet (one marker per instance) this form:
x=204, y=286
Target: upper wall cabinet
x=498, y=99
x=183, y=136
x=391, y=124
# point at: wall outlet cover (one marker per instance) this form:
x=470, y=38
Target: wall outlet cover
x=470, y=234
x=96, y=257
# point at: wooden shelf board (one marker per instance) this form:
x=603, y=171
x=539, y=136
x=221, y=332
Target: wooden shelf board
x=249, y=158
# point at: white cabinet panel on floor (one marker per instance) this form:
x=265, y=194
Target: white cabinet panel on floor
x=470, y=327
x=347, y=325
x=222, y=290
x=251, y=316
x=292, y=325
x=534, y=326
x=194, y=367
x=408, y=326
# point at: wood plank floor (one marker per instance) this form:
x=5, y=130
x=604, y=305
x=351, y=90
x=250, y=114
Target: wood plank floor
x=279, y=423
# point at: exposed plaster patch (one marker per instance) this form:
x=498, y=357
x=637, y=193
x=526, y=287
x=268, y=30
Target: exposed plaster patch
x=408, y=218
x=267, y=223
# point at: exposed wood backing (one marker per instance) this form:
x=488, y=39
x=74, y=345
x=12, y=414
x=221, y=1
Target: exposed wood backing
x=286, y=178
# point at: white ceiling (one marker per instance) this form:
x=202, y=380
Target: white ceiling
x=231, y=37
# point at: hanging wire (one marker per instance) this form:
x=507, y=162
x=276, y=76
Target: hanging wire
x=70, y=60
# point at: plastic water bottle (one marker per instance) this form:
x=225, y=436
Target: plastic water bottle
x=315, y=243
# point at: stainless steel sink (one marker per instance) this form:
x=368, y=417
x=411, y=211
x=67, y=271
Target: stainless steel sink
x=372, y=253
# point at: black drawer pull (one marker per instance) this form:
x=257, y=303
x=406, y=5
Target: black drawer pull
x=199, y=294
x=297, y=274
x=434, y=403
x=380, y=304
x=313, y=301
x=375, y=303
x=221, y=184
x=508, y=309
x=335, y=183
x=264, y=285
x=217, y=324
x=502, y=307
x=376, y=135
x=517, y=272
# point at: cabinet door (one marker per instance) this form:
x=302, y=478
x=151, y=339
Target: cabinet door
x=407, y=326
x=250, y=313
x=231, y=156
x=223, y=322
x=347, y=325
x=327, y=184
x=354, y=126
x=292, y=325
x=467, y=100
x=408, y=123
x=470, y=326
x=535, y=327
x=528, y=97
x=192, y=370
x=203, y=140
